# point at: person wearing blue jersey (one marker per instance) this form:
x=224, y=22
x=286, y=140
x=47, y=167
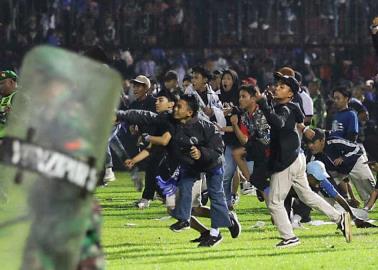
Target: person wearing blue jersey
x=345, y=121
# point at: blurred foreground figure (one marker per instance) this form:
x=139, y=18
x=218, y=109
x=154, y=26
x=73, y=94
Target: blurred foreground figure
x=55, y=148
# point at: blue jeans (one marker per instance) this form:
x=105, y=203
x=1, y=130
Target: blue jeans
x=229, y=172
x=218, y=211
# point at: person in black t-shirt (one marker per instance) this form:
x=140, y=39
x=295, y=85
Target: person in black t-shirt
x=288, y=163
x=144, y=101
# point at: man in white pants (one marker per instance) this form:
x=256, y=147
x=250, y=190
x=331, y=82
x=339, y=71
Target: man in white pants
x=288, y=163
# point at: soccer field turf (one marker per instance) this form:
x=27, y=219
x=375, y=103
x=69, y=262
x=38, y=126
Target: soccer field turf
x=141, y=239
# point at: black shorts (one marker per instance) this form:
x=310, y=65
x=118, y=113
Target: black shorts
x=260, y=175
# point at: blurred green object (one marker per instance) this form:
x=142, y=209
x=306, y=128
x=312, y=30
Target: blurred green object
x=55, y=142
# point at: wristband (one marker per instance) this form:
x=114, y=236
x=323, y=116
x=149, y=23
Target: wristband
x=305, y=129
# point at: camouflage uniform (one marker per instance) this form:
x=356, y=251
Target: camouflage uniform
x=318, y=119
x=57, y=137
x=92, y=257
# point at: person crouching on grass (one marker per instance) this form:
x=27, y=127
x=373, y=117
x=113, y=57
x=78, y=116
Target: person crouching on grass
x=288, y=163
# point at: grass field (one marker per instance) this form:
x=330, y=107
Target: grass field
x=138, y=239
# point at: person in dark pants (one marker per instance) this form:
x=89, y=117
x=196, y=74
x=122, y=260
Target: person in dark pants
x=144, y=101
x=253, y=132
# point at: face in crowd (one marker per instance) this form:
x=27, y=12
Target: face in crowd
x=198, y=81
x=216, y=82
x=340, y=100
x=162, y=104
x=282, y=91
x=7, y=86
x=246, y=100
x=186, y=83
x=316, y=146
x=227, y=82
x=313, y=88
x=170, y=84
x=182, y=110
x=140, y=90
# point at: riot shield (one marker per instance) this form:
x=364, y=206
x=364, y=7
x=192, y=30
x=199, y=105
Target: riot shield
x=51, y=156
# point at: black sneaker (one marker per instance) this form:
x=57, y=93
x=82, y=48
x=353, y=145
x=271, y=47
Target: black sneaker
x=204, y=197
x=203, y=236
x=235, y=228
x=259, y=195
x=211, y=241
x=235, y=199
x=345, y=225
x=180, y=226
x=288, y=243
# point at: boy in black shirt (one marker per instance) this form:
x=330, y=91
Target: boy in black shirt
x=288, y=163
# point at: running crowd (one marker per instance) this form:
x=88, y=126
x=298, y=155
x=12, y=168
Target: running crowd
x=200, y=138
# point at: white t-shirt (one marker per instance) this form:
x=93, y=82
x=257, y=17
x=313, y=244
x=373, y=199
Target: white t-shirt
x=308, y=105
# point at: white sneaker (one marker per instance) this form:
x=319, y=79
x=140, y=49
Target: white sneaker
x=143, y=203
x=248, y=189
x=109, y=175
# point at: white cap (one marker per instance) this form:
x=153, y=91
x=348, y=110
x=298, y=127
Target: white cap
x=317, y=169
x=143, y=80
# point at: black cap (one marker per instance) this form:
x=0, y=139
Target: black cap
x=204, y=72
x=171, y=75
x=319, y=135
x=288, y=80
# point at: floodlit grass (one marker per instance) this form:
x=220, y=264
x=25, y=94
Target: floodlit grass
x=137, y=239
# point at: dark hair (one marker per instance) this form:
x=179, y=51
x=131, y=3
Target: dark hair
x=187, y=78
x=201, y=70
x=235, y=79
x=343, y=90
x=319, y=135
x=192, y=102
x=249, y=88
x=168, y=95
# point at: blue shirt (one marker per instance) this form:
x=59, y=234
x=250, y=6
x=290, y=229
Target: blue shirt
x=344, y=123
x=327, y=188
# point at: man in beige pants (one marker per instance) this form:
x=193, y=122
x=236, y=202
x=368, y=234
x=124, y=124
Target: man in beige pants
x=287, y=162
